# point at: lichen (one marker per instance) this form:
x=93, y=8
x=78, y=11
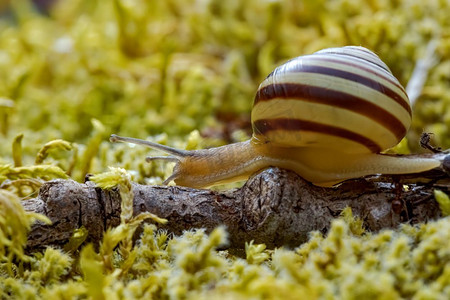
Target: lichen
x=184, y=73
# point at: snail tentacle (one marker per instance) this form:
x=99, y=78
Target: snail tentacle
x=175, y=152
x=166, y=158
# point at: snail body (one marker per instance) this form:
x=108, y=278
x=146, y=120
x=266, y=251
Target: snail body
x=326, y=116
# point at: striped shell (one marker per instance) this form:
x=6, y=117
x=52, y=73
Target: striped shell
x=339, y=98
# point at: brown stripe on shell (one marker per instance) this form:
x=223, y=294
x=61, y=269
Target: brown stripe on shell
x=391, y=79
x=346, y=51
x=300, y=92
x=370, y=83
x=264, y=126
x=366, y=51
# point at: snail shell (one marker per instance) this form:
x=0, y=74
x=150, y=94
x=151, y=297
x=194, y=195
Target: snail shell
x=341, y=98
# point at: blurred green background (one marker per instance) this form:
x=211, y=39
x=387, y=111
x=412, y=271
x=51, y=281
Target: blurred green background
x=184, y=73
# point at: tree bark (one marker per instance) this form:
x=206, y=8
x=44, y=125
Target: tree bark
x=275, y=207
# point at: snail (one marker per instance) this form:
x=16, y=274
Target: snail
x=326, y=116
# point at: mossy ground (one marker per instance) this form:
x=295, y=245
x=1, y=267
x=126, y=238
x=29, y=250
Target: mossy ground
x=184, y=73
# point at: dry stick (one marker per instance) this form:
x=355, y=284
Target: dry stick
x=275, y=207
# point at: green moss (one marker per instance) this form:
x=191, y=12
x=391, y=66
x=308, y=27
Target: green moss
x=184, y=73
x=15, y=223
x=408, y=263
x=444, y=202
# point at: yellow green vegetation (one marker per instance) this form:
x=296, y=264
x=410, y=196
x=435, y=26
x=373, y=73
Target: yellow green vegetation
x=184, y=73
x=348, y=263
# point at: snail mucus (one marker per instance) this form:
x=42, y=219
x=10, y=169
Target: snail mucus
x=326, y=116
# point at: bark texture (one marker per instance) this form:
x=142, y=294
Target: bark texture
x=275, y=207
